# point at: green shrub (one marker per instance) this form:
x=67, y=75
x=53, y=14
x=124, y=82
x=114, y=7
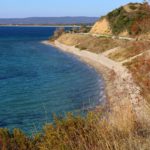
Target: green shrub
x=133, y=7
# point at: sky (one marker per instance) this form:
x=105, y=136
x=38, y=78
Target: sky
x=58, y=8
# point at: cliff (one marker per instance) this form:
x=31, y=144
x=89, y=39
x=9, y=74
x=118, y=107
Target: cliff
x=101, y=27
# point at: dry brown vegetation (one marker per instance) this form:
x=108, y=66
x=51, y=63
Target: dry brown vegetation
x=77, y=133
x=130, y=49
x=88, y=42
x=140, y=68
x=101, y=44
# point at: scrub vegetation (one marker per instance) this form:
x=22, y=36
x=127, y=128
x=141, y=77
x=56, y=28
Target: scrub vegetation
x=88, y=42
x=133, y=18
x=140, y=69
x=77, y=133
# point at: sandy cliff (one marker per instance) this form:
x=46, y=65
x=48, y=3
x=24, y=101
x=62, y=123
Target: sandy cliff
x=101, y=27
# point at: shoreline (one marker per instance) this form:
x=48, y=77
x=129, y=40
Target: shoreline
x=85, y=60
x=124, y=103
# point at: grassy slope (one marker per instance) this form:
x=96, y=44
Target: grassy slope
x=91, y=43
x=140, y=68
x=130, y=49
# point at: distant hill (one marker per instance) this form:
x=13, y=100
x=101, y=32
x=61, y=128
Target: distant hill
x=131, y=19
x=48, y=20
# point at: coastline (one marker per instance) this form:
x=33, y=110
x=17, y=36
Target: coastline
x=121, y=103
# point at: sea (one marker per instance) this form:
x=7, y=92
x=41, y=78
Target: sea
x=39, y=81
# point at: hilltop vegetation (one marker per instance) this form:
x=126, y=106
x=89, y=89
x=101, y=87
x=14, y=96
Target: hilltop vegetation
x=131, y=19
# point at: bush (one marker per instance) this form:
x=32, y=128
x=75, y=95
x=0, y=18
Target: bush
x=133, y=7
x=16, y=141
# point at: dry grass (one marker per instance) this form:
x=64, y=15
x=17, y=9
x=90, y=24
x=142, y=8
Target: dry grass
x=76, y=133
x=129, y=49
x=140, y=68
x=101, y=44
x=87, y=42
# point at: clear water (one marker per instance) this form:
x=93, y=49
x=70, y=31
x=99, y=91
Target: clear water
x=37, y=80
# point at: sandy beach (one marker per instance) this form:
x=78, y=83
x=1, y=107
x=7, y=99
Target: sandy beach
x=124, y=101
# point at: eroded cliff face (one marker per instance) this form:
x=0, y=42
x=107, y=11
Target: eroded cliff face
x=101, y=27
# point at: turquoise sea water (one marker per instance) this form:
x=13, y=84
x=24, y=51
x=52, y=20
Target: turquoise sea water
x=37, y=80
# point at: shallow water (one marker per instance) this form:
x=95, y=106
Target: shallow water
x=37, y=80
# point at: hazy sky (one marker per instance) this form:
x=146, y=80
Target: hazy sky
x=48, y=8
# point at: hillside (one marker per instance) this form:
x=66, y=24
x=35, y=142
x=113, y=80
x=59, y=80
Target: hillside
x=132, y=19
x=48, y=20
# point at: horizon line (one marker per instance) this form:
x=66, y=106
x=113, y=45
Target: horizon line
x=48, y=17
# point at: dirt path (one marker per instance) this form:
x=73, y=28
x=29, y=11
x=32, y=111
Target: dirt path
x=131, y=58
x=111, y=51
